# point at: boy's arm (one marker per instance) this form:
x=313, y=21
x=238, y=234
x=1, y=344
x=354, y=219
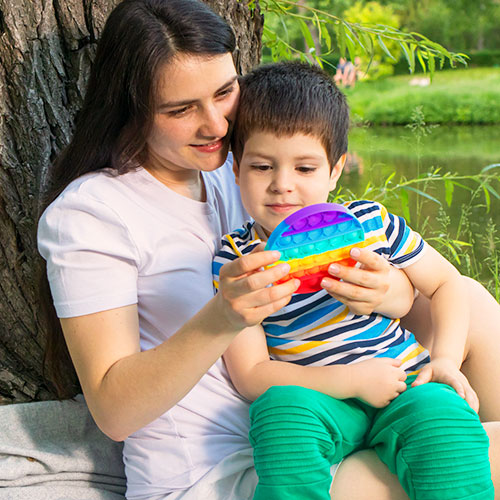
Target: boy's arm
x=441, y=282
x=376, y=381
x=375, y=286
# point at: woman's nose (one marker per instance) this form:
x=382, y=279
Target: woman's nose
x=215, y=123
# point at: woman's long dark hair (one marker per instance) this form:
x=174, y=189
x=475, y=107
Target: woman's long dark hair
x=140, y=36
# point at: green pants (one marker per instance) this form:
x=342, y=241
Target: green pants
x=428, y=436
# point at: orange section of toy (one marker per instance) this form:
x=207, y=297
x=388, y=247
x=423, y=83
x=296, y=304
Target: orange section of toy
x=310, y=278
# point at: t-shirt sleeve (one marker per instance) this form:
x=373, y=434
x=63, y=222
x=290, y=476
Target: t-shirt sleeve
x=228, y=252
x=405, y=245
x=92, y=262
x=233, y=245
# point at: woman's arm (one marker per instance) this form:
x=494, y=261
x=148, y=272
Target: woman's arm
x=375, y=286
x=125, y=388
x=438, y=280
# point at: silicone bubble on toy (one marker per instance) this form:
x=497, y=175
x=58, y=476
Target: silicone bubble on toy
x=313, y=238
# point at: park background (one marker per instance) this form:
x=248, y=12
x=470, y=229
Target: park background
x=426, y=143
x=428, y=152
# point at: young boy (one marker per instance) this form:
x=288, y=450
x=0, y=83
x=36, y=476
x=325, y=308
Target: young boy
x=337, y=381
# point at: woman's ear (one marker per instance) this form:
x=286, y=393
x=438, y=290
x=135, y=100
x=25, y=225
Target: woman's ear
x=337, y=171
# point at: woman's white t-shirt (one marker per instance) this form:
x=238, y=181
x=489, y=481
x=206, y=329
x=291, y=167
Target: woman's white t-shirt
x=111, y=241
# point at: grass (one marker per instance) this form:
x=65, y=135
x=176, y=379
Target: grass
x=460, y=96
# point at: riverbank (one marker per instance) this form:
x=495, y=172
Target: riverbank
x=458, y=97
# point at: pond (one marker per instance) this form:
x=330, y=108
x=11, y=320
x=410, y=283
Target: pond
x=376, y=152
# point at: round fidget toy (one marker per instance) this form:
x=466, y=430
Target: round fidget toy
x=312, y=238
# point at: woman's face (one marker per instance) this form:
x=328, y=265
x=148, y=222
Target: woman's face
x=195, y=108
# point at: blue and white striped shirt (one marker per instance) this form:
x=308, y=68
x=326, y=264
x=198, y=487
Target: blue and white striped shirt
x=316, y=329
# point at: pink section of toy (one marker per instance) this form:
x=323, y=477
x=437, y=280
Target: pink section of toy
x=313, y=238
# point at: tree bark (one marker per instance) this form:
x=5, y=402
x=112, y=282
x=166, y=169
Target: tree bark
x=46, y=49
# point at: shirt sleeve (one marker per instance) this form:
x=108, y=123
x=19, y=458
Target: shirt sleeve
x=405, y=245
x=227, y=253
x=92, y=262
x=233, y=245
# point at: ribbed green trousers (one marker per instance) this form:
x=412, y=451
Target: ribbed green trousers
x=428, y=436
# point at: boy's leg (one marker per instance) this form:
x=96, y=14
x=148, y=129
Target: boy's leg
x=480, y=365
x=297, y=434
x=431, y=438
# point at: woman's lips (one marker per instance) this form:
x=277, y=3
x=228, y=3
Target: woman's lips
x=211, y=147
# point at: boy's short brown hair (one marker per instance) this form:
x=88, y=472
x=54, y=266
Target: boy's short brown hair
x=289, y=98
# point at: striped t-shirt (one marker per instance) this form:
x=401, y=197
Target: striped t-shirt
x=316, y=329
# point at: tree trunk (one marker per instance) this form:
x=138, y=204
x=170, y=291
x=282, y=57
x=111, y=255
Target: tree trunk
x=46, y=48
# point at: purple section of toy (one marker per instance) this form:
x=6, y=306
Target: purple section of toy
x=315, y=217
x=316, y=221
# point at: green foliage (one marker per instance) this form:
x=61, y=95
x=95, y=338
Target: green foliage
x=460, y=25
x=385, y=54
x=470, y=96
x=477, y=58
x=430, y=200
x=295, y=29
x=485, y=57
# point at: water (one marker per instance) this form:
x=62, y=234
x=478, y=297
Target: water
x=376, y=152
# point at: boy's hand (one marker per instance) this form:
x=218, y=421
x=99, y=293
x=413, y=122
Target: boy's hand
x=245, y=296
x=378, y=381
x=363, y=288
x=444, y=370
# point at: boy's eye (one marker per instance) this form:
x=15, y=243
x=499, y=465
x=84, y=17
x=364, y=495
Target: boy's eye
x=306, y=170
x=261, y=168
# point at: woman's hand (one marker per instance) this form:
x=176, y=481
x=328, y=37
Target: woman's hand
x=444, y=370
x=244, y=293
x=378, y=381
x=375, y=286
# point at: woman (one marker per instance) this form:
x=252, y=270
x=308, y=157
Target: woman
x=141, y=197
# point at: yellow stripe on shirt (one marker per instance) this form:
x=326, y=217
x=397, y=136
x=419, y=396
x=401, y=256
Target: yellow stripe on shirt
x=299, y=348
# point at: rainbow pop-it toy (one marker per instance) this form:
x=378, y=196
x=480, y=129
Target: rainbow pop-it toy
x=312, y=238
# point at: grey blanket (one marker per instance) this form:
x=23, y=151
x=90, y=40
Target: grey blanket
x=53, y=450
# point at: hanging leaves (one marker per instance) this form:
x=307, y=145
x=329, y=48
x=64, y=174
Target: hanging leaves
x=352, y=38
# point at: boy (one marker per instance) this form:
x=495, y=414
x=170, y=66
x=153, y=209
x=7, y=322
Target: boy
x=338, y=381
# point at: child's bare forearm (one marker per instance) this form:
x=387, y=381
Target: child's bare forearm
x=338, y=381
x=450, y=316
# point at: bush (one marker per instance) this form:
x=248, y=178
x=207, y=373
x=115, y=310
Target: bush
x=470, y=96
x=484, y=58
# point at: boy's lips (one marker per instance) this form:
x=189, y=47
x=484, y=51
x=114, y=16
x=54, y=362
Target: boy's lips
x=210, y=147
x=282, y=207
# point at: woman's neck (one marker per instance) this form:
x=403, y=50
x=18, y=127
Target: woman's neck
x=188, y=183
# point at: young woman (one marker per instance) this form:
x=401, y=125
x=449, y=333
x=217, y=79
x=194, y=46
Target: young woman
x=141, y=197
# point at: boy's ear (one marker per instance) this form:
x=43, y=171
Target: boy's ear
x=337, y=171
x=236, y=171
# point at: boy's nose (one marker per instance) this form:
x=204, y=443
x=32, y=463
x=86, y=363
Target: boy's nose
x=281, y=183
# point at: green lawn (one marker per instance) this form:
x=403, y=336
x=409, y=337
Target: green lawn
x=461, y=96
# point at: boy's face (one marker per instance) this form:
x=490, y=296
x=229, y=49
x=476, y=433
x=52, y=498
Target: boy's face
x=279, y=175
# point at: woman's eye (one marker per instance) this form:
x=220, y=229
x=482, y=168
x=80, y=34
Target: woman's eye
x=179, y=111
x=225, y=92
